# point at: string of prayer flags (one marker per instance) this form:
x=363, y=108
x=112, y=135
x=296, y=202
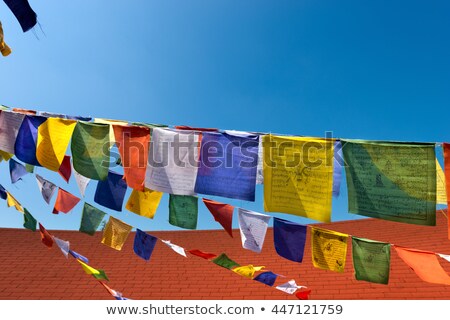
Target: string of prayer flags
x=133, y=144
x=338, y=164
x=222, y=213
x=225, y=262
x=371, y=260
x=115, y=233
x=253, y=228
x=46, y=237
x=425, y=264
x=10, y=123
x=111, y=192
x=441, y=192
x=16, y=170
x=201, y=254
x=117, y=295
x=23, y=13
x=247, y=271
x=53, y=138
x=12, y=202
x=268, y=278
x=289, y=239
x=25, y=145
x=232, y=172
x=174, y=247
x=173, y=159
x=46, y=187
x=4, y=48
x=97, y=273
x=65, y=201
x=298, y=176
x=289, y=287
x=91, y=219
x=29, y=222
x=144, y=244
x=329, y=249
x=81, y=181
x=91, y=149
x=78, y=256
x=63, y=245
x=65, y=170
x=3, y=193
x=144, y=203
x=392, y=181
x=183, y=211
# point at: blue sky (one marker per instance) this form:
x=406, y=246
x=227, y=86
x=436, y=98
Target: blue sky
x=368, y=70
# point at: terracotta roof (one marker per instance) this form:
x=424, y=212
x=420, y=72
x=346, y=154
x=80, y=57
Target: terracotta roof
x=29, y=270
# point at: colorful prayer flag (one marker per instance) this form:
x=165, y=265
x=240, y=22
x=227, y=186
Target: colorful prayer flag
x=65, y=201
x=289, y=287
x=268, y=278
x=46, y=237
x=10, y=123
x=111, y=192
x=144, y=244
x=441, y=192
x=371, y=260
x=183, y=211
x=247, y=271
x=78, y=256
x=3, y=193
x=65, y=170
x=97, y=273
x=90, y=150
x=12, y=202
x=329, y=249
x=392, y=181
x=225, y=262
x=222, y=213
x=46, y=187
x=201, y=254
x=298, y=176
x=303, y=295
x=289, y=239
x=253, y=228
x=5, y=50
x=338, y=164
x=29, y=222
x=23, y=13
x=174, y=247
x=144, y=203
x=63, y=245
x=25, y=145
x=117, y=295
x=16, y=170
x=116, y=233
x=53, y=138
x=228, y=165
x=91, y=219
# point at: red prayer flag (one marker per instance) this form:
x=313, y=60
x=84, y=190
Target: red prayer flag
x=46, y=237
x=303, y=295
x=222, y=213
x=446, y=147
x=24, y=111
x=65, y=170
x=133, y=143
x=65, y=201
x=204, y=255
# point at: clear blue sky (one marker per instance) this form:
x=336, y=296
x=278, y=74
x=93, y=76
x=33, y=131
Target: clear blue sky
x=371, y=70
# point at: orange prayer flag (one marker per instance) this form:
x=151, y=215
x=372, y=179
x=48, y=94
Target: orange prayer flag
x=46, y=237
x=425, y=264
x=24, y=111
x=65, y=201
x=133, y=143
x=222, y=213
x=65, y=170
x=446, y=147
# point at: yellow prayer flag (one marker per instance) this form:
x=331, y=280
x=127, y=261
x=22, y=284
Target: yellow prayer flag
x=247, y=271
x=441, y=193
x=88, y=269
x=329, y=249
x=144, y=202
x=298, y=176
x=5, y=156
x=12, y=202
x=112, y=137
x=115, y=233
x=53, y=138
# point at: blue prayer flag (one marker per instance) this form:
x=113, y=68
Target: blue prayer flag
x=25, y=146
x=79, y=256
x=111, y=192
x=3, y=193
x=144, y=244
x=268, y=278
x=16, y=170
x=23, y=12
x=289, y=239
x=338, y=163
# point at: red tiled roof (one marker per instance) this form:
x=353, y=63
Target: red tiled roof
x=29, y=270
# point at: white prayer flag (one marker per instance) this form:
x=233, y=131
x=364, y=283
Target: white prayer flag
x=46, y=187
x=63, y=245
x=253, y=227
x=174, y=247
x=10, y=123
x=81, y=180
x=289, y=287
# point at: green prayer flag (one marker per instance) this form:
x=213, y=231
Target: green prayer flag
x=90, y=150
x=100, y=276
x=91, y=219
x=391, y=181
x=29, y=222
x=29, y=168
x=183, y=211
x=371, y=260
x=225, y=262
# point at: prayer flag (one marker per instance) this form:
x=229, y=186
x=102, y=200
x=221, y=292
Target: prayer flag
x=201, y=254
x=29, y=168
x=444, y=256
x=144, y=203
x=228, y=165
x=78, y=256
x=16, y=170
x=441, y=192
x=133, y=145
x=29, y=222
x=96, y=273
x=289, y=287
x=64, y=246
x=253, y=228
x=303, y=295
x=173, y=161
x=225, y=262
x=298, y=176
x=90, y=150
x=329, y=249
x=10, y=123
x=111, y=192
x=117, y=295
x=371, y=260
x=111, y=122
x=338, y=164
x=11, y=201
x=91, y=219
x=144, y=244
x=268, y=278
x=222, y=213
x=116, y=233
x=5, y=156
x=82, y=181
x=65, y=201
x=25, y=145
x=65, y=170
x=3, y=193
x=46, y=237
x=289, y=239
x=53, y=138
x=4, y=48
x=174, y=247
x=392, y=181
x=425, y=264
x=247, y=271
x=183, y=211
x=46, y=187
x=23, y=13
